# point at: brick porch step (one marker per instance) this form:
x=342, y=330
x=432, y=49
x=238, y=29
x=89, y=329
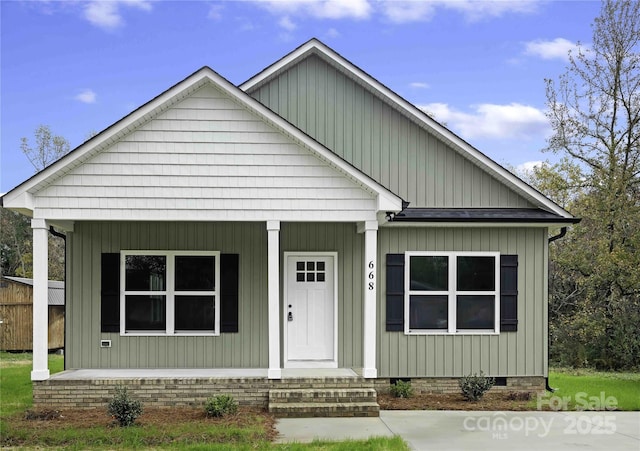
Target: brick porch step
x=323, y=402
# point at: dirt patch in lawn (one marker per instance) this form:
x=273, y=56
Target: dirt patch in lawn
x=455, y=401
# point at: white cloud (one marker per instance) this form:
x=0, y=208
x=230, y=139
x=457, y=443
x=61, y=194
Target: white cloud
x=86, y=96
x=215, y=12
x=332, y=33
x=287, y=24
x=322, y=9
x=557, y=49
x=528, y=166
x=476, y=10
x=513, y=121
x=106, y=14
x=419, y=85
x=408, y=11
x=396, y=11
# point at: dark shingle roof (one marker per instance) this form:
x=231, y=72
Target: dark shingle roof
x=496, y=215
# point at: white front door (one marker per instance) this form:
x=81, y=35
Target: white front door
x=310, y=311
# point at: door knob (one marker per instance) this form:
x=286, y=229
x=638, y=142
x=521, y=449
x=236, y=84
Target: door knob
x=290, y=316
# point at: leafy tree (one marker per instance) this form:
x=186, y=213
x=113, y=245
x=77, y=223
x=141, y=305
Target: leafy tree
x=15, y=244
x=16, y=237
x=594, y=109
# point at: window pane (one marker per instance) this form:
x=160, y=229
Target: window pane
x=195, y=313
x=429, y=273
x=145, y=312
x=476, y=312
x=428, y=312
x=195, y=273
x=145, y=272
x=476, y=273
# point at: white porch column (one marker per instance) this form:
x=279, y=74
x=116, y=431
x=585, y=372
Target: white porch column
x=273, y=236
x=40, y=300
x=370, y=229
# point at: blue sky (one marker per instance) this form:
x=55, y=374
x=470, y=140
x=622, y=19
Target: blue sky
x=478, y=66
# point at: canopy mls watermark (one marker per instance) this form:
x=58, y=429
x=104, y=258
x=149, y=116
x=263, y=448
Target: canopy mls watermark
x=538, y=424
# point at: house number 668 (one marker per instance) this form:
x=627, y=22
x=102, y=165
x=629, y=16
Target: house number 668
x=372, y=275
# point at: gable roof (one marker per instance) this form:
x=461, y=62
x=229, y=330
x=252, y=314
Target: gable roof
x=20, y=198
x=317, y=48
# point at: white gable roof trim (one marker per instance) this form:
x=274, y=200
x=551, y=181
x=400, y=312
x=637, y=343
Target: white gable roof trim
x=21, y=196
x=316, y=47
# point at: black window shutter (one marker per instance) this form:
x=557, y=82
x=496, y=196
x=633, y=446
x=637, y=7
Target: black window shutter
x=229, y=289
x=395, y=292
x=110, y=293
x=508, y=293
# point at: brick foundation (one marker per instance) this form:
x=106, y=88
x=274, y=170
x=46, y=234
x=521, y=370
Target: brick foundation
x=441, y=385
x=60, y=393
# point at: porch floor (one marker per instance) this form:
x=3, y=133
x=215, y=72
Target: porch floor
x=200, y=373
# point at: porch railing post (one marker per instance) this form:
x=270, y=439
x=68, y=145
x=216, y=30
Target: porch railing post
x=40, y=300
x=370, y=295
x=273, y=260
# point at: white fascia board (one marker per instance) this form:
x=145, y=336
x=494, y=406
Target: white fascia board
x=20, y=201
x=282, y=63
x=388, y=203
x=412, y=111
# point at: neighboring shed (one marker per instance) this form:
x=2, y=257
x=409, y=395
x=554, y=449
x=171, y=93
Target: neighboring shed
x=16, y=314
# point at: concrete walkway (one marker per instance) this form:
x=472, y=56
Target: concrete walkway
x=464, y=430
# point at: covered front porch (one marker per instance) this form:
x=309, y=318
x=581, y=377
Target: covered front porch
x=258, y=346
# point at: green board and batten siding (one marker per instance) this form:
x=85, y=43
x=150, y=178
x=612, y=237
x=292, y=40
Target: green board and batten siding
x=399, y=355
x=245, y=349
x=507, y=354
x=380, y=141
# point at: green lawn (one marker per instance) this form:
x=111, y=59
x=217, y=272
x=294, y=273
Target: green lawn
x=16, y=399
x=593, y=390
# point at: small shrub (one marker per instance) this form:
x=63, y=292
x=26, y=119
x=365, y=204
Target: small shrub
x=124, y=409
x=473, y=386
x=401, y=389
x=220, y=405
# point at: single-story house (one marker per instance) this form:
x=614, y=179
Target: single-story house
x=307, y=225
x=16, y=314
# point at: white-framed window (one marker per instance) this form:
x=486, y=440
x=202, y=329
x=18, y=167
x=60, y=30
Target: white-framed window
x=170, y=293
x=452, y=292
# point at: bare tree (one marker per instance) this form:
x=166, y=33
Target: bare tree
x=48, y=148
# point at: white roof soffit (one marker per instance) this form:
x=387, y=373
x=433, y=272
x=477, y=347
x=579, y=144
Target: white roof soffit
x=14, y=198
x=316, y=47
